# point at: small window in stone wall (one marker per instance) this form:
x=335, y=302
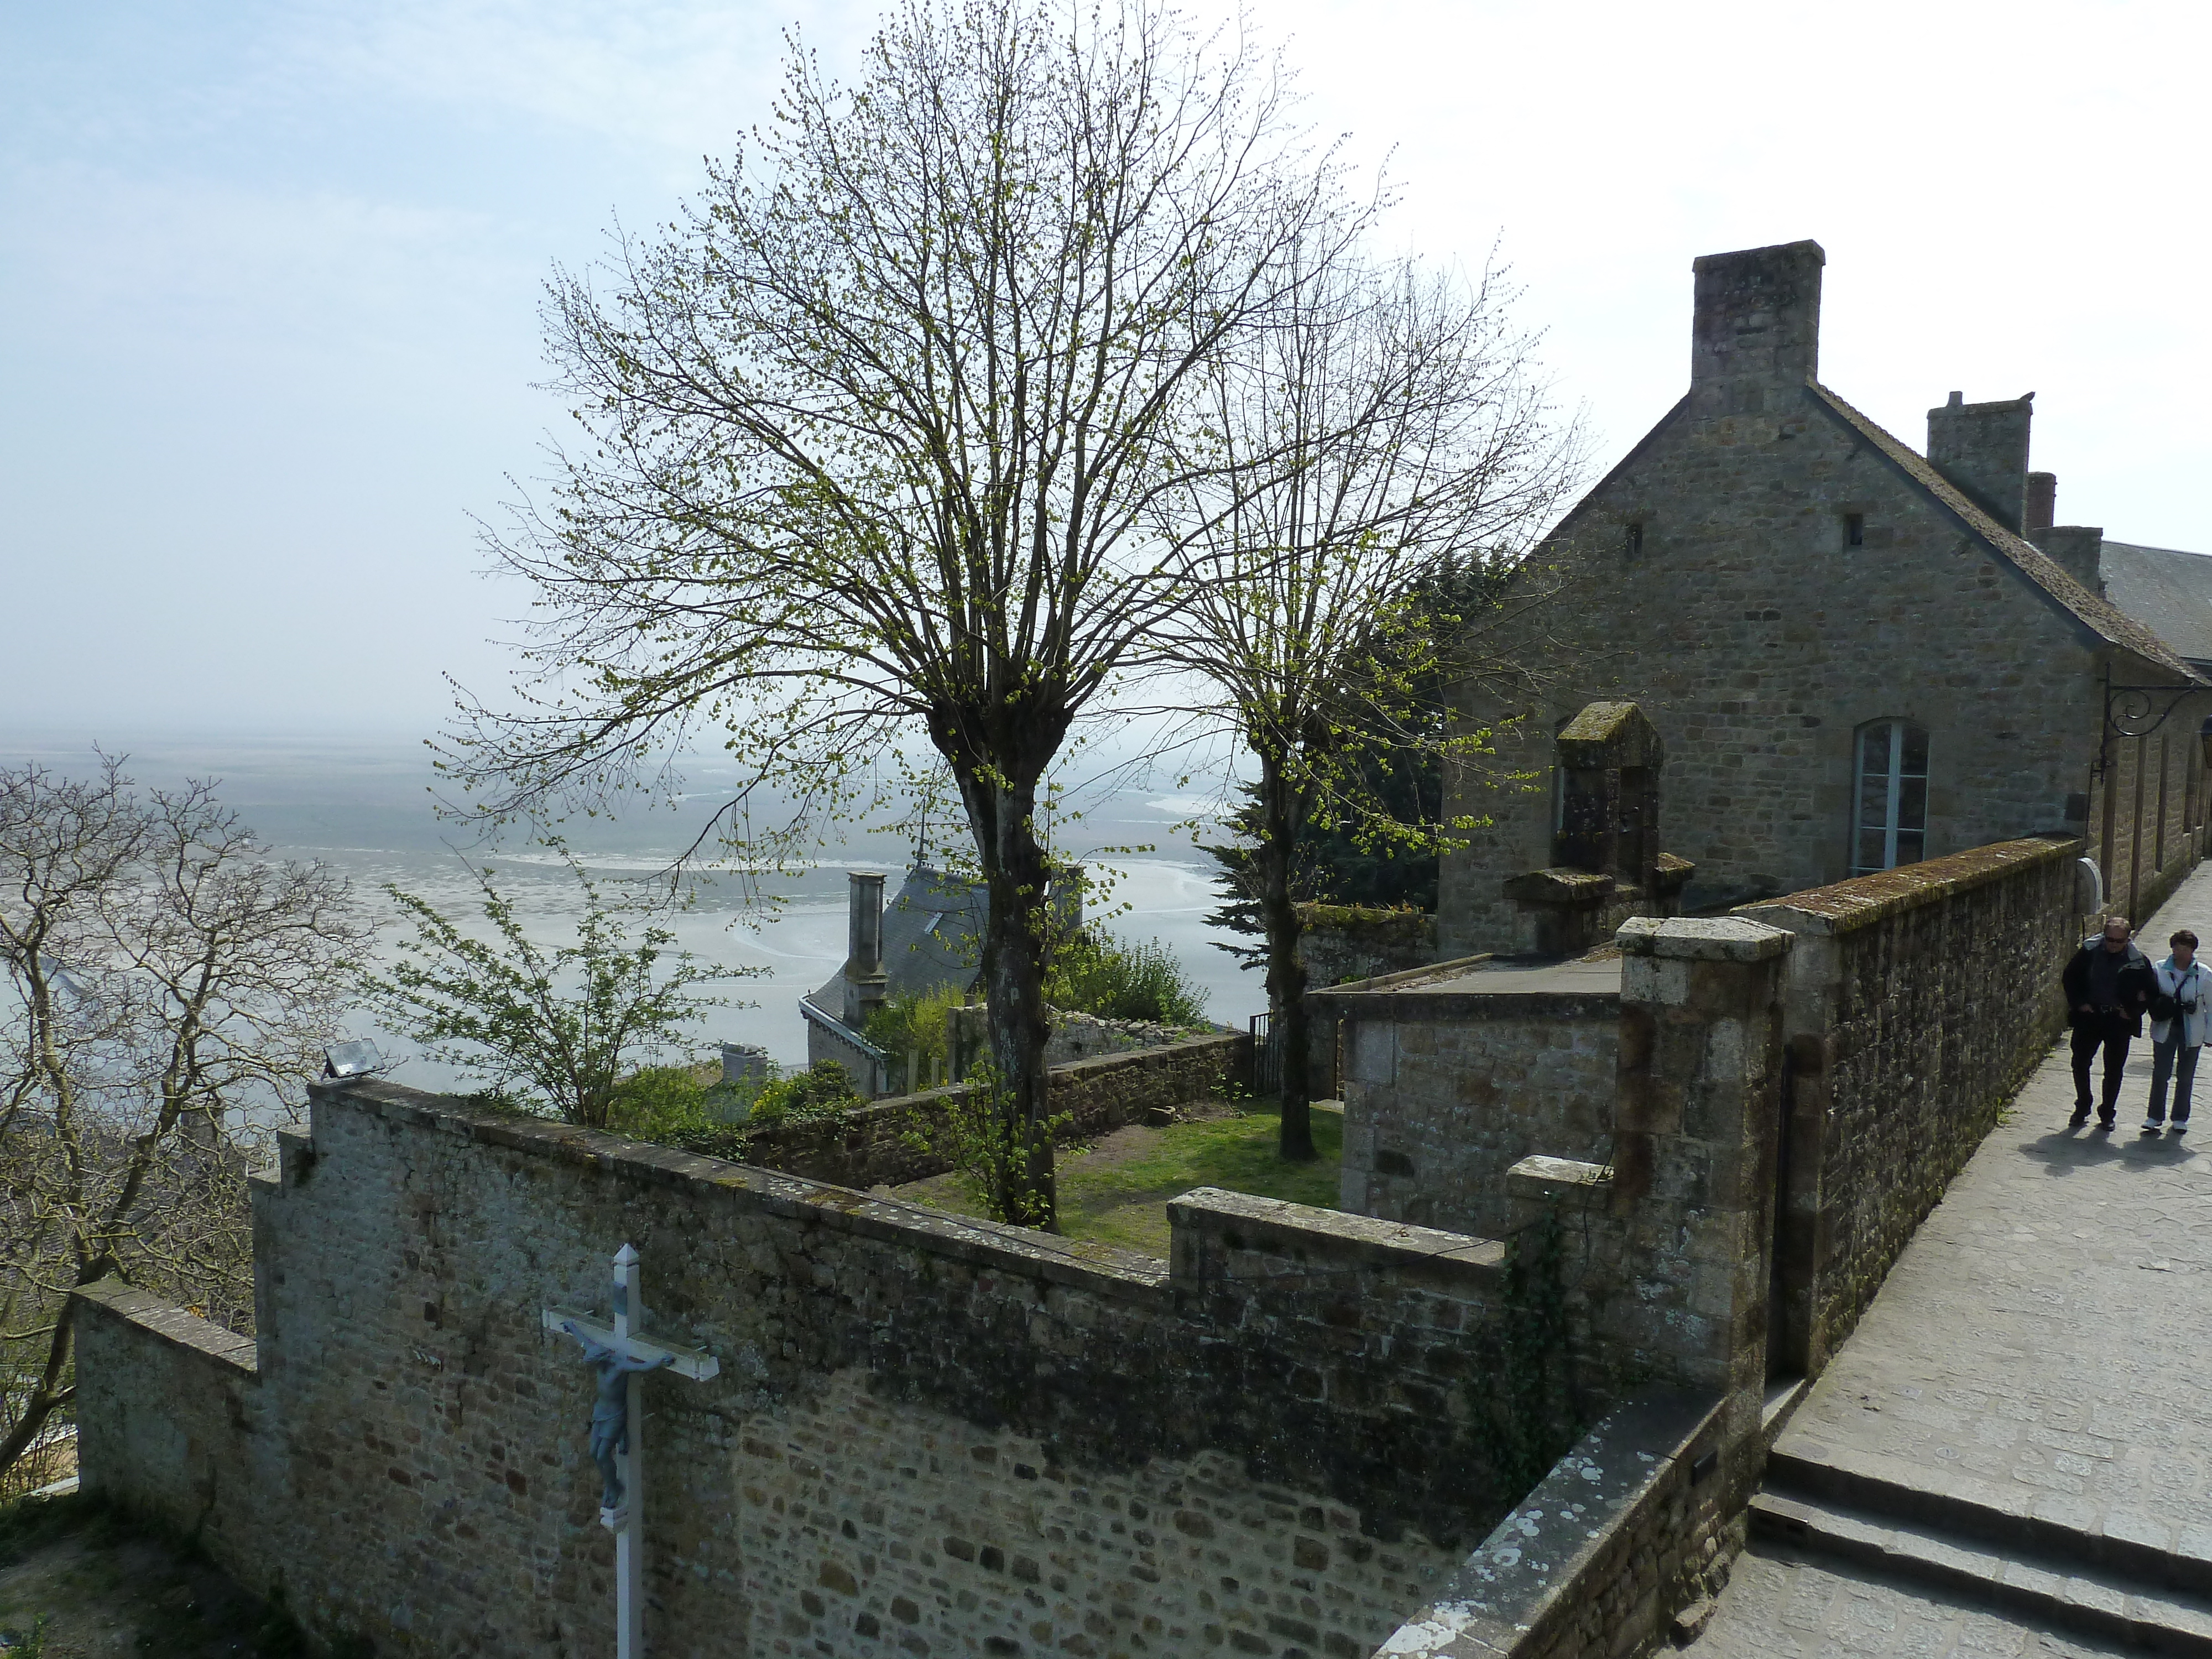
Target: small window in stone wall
x=1890, y=826
x=1631, y=542
x=1854, y=530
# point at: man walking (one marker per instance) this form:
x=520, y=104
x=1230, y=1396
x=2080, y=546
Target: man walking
x=2108, y=985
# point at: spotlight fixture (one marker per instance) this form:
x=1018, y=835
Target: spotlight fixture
x=349, y=1061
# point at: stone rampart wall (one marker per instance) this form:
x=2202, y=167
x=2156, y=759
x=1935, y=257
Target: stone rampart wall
x=1917, y=1001
x=935, y=1433
x=869, y=1147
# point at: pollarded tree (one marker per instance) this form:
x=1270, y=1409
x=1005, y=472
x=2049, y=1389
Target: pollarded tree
x=166, y=974
x=879, y=433
x=1393, y=452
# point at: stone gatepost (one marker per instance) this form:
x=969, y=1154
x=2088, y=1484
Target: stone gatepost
x=1696, y=1131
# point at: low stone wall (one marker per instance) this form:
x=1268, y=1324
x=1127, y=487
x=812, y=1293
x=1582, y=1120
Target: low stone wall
x=927, y=1432
x=1628, y=1528
x=1343, y=943
x=1452, y=1078
x=868, y=1146
x=176, y=1401
x=1917, y=1001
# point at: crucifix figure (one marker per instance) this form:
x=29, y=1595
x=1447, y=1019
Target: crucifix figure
x=621, y=1358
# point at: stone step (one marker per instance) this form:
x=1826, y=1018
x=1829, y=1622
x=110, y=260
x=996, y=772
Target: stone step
x=2054, y=1588
x=2153, y=1553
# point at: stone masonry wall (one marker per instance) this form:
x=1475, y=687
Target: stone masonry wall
x=1344, y=943
x=1917, y=999
x=1624, y=1529
x=960, y=1529
x=1447, y=1086
x=868, y=1146
x=177, y=1400
x=1758, y=642
x=1289, y=1405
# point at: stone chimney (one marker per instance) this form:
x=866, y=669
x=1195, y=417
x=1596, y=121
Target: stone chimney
x=865, y=984
x=1982, y=448
x=2078, y=549
x=1755, y=326
x=2042, y=503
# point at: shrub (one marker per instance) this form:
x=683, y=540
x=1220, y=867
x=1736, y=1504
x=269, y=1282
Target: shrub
x=909, y=1028
x=657, y=1102
x=823, y=1090
x=1095, y=973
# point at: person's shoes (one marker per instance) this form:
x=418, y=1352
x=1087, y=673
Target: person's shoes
x=2151, y=1125
x=2080, y=1117
x=2179, y=1125
x=2107, y=1124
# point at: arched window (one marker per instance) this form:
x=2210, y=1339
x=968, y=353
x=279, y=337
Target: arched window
x=1890, y=827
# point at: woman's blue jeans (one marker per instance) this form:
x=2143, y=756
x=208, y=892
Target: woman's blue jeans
x=2172, y=1059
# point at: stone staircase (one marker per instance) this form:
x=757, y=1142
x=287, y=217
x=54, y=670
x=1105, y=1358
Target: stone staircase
x=2154, y=1594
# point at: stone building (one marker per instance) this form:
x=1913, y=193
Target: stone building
x=929, y=937
x=1849, y=655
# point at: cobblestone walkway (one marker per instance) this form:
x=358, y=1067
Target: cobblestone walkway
x=2043, y=1350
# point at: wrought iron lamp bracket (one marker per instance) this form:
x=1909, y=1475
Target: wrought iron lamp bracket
x=2128, y=708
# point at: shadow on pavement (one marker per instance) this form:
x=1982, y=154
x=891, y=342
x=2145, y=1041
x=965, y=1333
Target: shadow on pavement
x=2064, y=1150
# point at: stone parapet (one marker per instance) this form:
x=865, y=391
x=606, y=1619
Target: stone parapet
x=922, y=1426
x=1627, y=1528
x=1917, y=1000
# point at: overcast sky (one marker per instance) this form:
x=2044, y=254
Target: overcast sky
x=269, y=273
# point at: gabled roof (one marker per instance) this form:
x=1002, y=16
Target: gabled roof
x=2107, y=620
x=2168, y=591
x=932, y=937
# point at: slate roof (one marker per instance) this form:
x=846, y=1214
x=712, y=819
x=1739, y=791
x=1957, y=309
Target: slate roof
x=2109, y=621
x=2168, y=591
x=932, y=937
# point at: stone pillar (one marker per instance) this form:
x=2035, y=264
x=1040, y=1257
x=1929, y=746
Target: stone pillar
x=1696, y=1132
x=2042, y=502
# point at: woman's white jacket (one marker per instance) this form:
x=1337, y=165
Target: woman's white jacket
x=2193, y=991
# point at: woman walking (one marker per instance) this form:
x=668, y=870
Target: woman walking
x=2178, y=1020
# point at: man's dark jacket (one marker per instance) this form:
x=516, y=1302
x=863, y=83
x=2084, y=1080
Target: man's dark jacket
x=2136, y=983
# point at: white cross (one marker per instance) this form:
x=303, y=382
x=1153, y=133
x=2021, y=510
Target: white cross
x=622, y=1359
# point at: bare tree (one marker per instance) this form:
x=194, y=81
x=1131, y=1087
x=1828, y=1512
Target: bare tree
x=1392, y=452
x=167, y=975
x=877, y=434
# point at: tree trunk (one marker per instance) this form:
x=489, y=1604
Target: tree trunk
x=49, y=1394
x=1015, y=874
x=1282, y=816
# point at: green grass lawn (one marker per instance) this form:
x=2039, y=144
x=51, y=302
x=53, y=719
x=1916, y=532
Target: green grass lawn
x=1116, y=1193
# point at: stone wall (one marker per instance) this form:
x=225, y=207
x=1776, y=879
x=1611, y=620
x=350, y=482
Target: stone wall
x=1450, y=1080
x=930, y=1433
x=867, y=1146
x=863, y=1520
x=1917, y=1001
x=177, y=1400
x=1343, y=943
x=1628, y=1528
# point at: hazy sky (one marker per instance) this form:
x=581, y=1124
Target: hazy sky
x=269, y=273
